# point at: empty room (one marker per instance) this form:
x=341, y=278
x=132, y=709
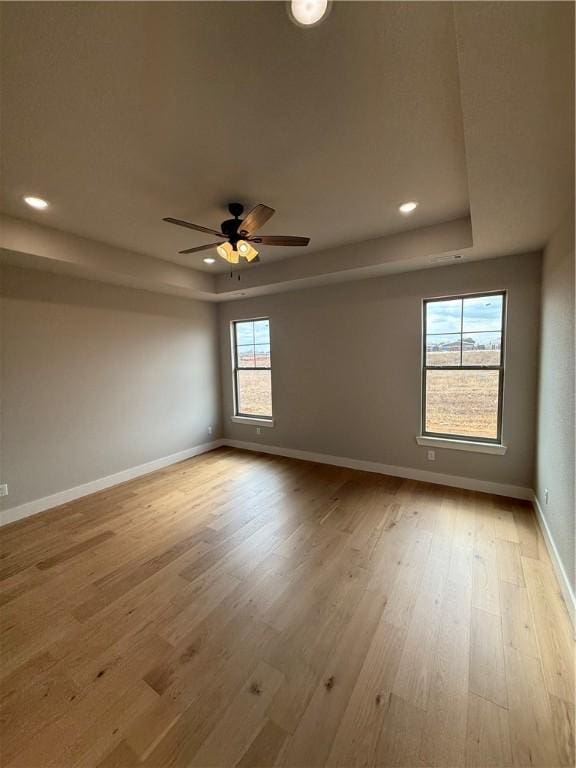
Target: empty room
x=287, y=384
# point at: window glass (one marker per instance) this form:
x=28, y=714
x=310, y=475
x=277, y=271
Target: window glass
x=463, y=336
x=252, y=368
x=444, y=316
x=462, y=403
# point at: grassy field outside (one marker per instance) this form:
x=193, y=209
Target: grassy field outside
x=457, y=402
x=463, y=402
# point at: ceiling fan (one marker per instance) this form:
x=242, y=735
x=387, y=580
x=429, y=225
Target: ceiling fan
x=239, y=234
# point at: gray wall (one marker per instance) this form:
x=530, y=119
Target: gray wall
x=555, y=468
x=346, y=368
x=97, y=379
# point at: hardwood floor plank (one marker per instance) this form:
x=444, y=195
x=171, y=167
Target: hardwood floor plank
x=242, y=721
x=317, y=728
x=505, y=525
x=488, y=736
x=532, y=733
x=415, y=671
x=486, y=594
x=487, y=672
x=265, y=748
x=77, y=549
x=552, y=630
x=509, y=562
x=527, y=529
x=356, y=741
x=399, y=609
x=444, y=733
x=401, y=734
x=119, y=757
x=563, y=724
x=517, y=621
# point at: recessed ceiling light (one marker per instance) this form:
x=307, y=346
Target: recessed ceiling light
x=408, y=207
x=208, y=260
x=308, y=13
x=36, y=202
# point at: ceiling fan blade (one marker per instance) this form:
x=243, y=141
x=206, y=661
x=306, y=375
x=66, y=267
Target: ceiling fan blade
x=200, y=248
x=257, y=217
x=197, y=227
x=280, y=240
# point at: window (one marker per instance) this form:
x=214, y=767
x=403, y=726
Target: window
x=463, y=367
x=252, y=369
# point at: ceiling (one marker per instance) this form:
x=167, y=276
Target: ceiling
x=122, y=113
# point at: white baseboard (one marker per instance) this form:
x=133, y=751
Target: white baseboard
x=455, y=481
x=561, y=575
x=63, y=497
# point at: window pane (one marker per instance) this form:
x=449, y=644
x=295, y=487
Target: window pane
x=481, y=348
x=444, y=316
x=482, y=313
x=462, y=403
x=262, y=355
x=443, y=349
x=245, y=332
x=254, y=393
x=245, y=356
x=262, y=331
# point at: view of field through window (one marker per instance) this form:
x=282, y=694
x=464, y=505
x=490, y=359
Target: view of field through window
x=253, y=370
x=461, y=333
x=458, y=401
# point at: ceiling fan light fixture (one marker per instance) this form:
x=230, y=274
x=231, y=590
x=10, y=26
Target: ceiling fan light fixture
x=308, y=13
x=227, y=252
x=246, y=250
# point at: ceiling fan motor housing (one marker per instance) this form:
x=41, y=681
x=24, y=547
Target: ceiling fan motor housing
x=230, y=227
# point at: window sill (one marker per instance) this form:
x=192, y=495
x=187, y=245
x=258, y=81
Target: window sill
x=255, y=421
x=461, y=445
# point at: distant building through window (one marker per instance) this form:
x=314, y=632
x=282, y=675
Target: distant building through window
x=463, y=367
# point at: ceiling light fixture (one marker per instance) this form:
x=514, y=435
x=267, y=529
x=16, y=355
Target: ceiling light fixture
x=246, y=250
x=232, y=254
x=407, y=208
x=228, y=253
x=36, y=202
x=209, y=260
x=308, y=13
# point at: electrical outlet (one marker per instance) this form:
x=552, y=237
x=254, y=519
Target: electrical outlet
x=546, y=495
x=210, y=429
x=431, y=455
x=257, y=430
x=4, y=489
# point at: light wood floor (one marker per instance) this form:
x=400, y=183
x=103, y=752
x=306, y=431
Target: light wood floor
x=238, y=609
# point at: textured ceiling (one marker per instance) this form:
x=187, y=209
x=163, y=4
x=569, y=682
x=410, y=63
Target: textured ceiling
x=122, y=113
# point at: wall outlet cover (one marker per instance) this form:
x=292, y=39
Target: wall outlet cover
x=3, y=489
x=431, y=455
